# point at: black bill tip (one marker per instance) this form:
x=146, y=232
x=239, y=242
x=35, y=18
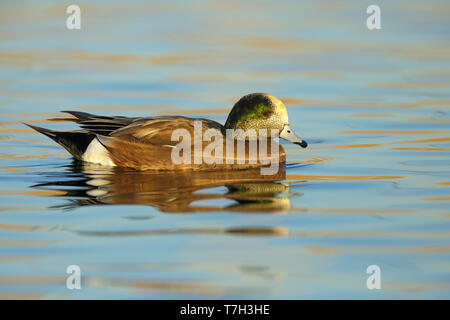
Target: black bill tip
x=302, y=144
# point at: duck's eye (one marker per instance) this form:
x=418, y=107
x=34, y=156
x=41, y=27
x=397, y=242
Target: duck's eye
x=289, y=131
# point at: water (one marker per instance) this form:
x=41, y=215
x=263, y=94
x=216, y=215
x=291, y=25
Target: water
x=371, y=189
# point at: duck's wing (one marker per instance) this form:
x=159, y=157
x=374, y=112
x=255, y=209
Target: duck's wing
x=147, y=143
x=103, y=125
x=158, y=130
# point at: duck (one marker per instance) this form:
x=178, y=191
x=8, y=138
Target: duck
x=147, y=143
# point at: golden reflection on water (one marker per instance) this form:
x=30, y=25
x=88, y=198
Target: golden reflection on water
x=312, y=177
x=171, y=192
x=382, y=249
x=372, y=114
x=20, y=296
x=353, y=210
x=422, y=149
x=16, y=169
x=443, y=120
x=365, y=103
x=444, y=139
x=191, y=192
x=346, y=146
x=41, y=193
x=15, y=130
x=18, y=157
x=392, y=131
x=444, y=198
x=17, y=227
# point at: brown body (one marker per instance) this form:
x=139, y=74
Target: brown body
x=146, y=143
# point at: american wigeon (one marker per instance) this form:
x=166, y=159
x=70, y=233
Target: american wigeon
x=146, y=143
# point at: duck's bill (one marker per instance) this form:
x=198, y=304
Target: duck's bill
x=302, y=144
x=289, y=135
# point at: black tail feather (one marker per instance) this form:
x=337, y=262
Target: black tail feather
x=103, y=125
x=83, y=116
x=76, y=142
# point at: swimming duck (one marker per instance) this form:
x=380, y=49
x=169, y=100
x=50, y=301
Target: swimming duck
x=147, y=143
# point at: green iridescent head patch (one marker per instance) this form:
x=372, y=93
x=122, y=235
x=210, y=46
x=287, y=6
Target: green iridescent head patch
x=253, y=106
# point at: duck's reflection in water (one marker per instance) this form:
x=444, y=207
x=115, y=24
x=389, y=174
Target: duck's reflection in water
x=87, y=184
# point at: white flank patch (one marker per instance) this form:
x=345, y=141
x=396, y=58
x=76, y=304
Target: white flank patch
x=97, y=153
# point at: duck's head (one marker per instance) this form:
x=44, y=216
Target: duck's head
x=262, y=111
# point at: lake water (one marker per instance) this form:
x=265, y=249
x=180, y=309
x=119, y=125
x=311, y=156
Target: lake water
x=372, y=188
